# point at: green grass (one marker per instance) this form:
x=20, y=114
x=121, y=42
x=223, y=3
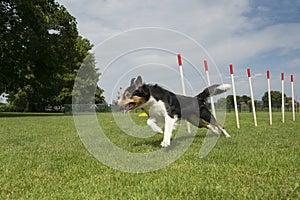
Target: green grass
x=42, y=157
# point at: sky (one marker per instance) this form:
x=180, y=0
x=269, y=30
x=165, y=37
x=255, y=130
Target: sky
x=135, y=37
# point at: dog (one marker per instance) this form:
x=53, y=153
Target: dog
x=163, y=106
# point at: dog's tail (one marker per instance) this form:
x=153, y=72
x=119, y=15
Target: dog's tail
x=213, y=90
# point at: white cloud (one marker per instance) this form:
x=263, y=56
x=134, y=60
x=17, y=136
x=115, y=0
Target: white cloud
x=263, y=8
x=224, y=28
x=202, y=18
x=248, y=45
x=218, y=25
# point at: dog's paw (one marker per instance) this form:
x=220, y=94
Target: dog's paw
x=225, y=133
x=165, y=144
x=157, y=129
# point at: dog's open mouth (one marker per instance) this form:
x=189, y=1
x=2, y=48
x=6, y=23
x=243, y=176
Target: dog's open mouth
x=130, y=106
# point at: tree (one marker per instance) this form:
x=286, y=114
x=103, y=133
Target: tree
x=41, y=52
x=276, y=99
x=85, y=89
x=245, y=98
x=239, y=99
x=222, y=102
x=229, y=102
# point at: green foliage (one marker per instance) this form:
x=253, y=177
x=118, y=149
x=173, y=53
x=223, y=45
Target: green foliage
x=40, y=49
x=240, y=99
x=99, y=98
x=86, y=90
x=275, y=98
x=20, y=100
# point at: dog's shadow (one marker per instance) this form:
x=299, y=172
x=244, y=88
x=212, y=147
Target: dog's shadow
x=177, y=141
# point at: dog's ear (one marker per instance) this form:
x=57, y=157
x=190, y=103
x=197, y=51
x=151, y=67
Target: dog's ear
x=138, y=82
x=132, y=81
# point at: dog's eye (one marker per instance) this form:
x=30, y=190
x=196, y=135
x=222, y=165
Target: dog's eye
x=135, y=93
x=126, y=94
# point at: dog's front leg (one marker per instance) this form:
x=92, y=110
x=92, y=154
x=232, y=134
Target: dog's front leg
x=154, y=126
x=169, y=126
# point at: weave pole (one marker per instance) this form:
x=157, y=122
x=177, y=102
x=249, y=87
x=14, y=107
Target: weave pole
x=183, y=86
x=293, y=97
x=282, y=97
x=234, y=97
x=252, y=98
x=269, y=96
x=208, y=82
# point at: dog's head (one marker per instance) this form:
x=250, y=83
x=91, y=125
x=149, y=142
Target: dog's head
x=135, y=95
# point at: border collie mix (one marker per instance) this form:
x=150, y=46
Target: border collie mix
x=163, y=106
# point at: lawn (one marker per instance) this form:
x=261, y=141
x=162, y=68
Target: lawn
x=42, y=157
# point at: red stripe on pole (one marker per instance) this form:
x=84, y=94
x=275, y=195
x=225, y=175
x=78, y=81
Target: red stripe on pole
x=179, y=60
x=231, y=69
x=292, y=78
x=249, y=74
x=282, y=76
x=205, y=65
x=268, y=74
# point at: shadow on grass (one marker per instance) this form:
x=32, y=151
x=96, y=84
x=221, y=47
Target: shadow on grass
x=24, y=114
x=174, y=142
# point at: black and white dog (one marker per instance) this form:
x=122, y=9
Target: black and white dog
x=163, y=106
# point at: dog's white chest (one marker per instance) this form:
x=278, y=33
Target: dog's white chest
x=155, y=109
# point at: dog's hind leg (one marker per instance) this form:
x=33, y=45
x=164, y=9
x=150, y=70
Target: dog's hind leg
x=223, y=131
x=215, y=123
x=212, y=129
x=207, y=116
x=201, y=123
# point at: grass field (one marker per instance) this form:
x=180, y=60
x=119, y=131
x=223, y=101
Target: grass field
x=42, y=157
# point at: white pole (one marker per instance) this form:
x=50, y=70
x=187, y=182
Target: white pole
x=269, y=96
x=293, y=97
x=282, y=96
x=208, y=82
x=252, y=98
x=234, y=98
x=183, y=86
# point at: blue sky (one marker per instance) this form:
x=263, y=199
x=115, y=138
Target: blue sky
x=260, y=34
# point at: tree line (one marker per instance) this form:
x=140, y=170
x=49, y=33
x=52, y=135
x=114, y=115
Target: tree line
x=245, y=101
x=41, y=52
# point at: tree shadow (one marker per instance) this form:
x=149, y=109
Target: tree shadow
x=18, y=114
